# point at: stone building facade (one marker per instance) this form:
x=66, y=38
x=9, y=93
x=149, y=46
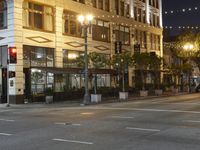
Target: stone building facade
x=48, y=39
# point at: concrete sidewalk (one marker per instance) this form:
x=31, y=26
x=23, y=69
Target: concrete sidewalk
x=77, y=103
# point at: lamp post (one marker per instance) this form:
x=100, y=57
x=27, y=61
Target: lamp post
x=86, y=22
x=189, y=47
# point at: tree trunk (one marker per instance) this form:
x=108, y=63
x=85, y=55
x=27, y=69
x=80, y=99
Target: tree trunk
x=95, y=84
x=123, y=82
x=142, y=77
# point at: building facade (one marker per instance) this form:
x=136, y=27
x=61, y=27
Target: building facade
x=49, y=39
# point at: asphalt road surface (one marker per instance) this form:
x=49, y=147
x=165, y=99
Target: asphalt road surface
x=168, y=123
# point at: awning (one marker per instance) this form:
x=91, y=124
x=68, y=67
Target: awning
x=75, y=70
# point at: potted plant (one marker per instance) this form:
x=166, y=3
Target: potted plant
x=48, y=95
x=121, y=62
x=97, y=61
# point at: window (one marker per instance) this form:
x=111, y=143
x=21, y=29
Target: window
x=37, y=16
x=3, y=56
x=101, y=4
x=100, y=31
x=122, y=5
x=80, y=1
x=140, y=37
x=71, y=59
x=94, y=3
x=155, y=42
x=38, y=56
x=107, y=5
x=3, y=14
x=122, y=34
x=140, y=14
x=71, y=25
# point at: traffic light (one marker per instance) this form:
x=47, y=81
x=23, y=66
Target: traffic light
x=136, y=48
x=11, y=74
x=118, y=47
x=12, y=55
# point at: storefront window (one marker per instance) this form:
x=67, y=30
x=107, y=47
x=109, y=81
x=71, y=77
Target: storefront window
x=38, y=56
x=72, y=59
x=3, y=14
x=40, y=80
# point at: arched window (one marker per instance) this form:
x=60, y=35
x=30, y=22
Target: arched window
x=3, y=14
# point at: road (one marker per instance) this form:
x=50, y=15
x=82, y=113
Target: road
x=168, y=123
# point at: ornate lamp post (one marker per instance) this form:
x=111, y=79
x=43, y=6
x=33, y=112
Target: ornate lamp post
x=189, y=47
x=86, y=23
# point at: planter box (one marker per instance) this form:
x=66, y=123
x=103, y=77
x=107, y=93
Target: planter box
x=143, y=93
x=123, y=95
x=49, y=99
x=158, y=92
x=95, y=98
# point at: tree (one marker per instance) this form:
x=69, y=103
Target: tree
x=189, y=54
x=155, y=63
x=97, y=60
x=121, y=62
x=142, y=61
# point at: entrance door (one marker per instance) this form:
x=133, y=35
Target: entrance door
x=3, y=89
x=27, y=81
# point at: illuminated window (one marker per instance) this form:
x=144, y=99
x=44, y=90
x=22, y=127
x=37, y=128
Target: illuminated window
x=72, y=59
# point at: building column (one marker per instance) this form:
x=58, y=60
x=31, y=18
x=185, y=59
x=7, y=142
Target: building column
x=148, y=40
x=16, y=84
x=58, y=38
x=131, y=9
x=147, y=12
x=160, y=13
x=131, y=69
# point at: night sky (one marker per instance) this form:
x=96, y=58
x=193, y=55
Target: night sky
x=178, y=18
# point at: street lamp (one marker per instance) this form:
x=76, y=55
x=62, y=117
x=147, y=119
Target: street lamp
x=86, y=22
x=189, y=47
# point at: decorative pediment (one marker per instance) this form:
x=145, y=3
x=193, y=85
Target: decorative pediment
x=39, y=39
x=74, y=44
x=101, y=48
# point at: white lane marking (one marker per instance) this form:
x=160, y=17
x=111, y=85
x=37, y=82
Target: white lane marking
x=6, y=134
x=142, y=129
x=193, y=121
x=8, y=120
x=4, y=111
x=122, y=117
x=148, y=110
x=70, y=124
x=17, y=112
x=72, y=141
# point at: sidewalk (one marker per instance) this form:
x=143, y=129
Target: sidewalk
x=77, y=103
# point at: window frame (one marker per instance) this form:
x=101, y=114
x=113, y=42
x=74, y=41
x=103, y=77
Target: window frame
x=66, y=17
x=32, y=10
x=4, y=12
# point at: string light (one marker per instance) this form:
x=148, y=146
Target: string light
x=182, y=27
x=184, y=10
